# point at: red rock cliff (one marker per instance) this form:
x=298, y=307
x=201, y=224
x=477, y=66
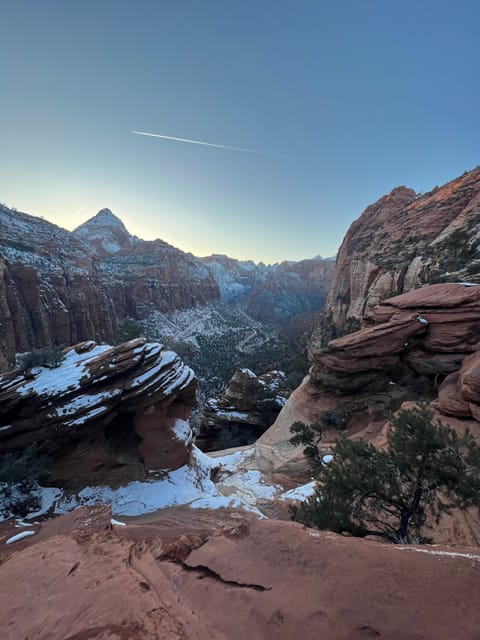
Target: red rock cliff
x=405, y=240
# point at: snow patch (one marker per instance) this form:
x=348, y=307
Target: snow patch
x=225, y=502
x=117, y=523
x=448, y=554
x=249, y=373
x=20, y=536
x=182, y=431
x=301, y=493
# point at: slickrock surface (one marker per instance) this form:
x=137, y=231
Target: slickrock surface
x=225, y=579
x=133, y=399
x=61, y=287
x=249, y=403
x=405, y=240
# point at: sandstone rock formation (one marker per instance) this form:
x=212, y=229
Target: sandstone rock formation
x=61, y=287
x=412, y=343
x=405, y=240
x=81, y=578
x=103, y=408
x=459, y=394
x=247, y=407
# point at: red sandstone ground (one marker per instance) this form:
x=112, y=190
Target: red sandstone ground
x=216, y=576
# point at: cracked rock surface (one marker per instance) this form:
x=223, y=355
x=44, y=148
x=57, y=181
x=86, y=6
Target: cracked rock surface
x=219, y=575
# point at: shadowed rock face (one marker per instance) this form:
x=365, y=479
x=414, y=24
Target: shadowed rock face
x=104, y=403
x=269, y=580
x=405, y=240
x=239, y=415
x=459, y=394
x=61, y=287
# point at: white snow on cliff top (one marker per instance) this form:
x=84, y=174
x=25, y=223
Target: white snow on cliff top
x=73, y=369
x=185, y=485
x=64, y=378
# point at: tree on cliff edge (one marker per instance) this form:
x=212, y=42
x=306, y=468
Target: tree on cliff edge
x=424, y=472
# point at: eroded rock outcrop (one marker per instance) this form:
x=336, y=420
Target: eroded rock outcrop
x=459, y=394
x=412, y=343
x=247, y=407
x=267, y=579
x=405, y=240
x=109, y=406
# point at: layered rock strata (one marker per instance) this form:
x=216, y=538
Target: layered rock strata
x=61, y=287
x=412, y=343
x=129, y=402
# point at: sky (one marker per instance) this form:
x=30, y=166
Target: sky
x=343, y=101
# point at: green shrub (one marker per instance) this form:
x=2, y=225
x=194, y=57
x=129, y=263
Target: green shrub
x=350, y=325
x=50, y=356
x=425, y=471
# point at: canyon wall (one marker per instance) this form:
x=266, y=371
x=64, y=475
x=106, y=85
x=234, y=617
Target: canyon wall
x=405, y=240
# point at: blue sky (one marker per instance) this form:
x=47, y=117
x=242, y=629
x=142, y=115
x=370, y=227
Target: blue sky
x=345, y=99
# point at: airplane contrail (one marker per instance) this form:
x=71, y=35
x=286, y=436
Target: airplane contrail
x=206, y=144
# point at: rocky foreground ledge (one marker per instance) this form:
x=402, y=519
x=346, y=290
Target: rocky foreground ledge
x=221, y=576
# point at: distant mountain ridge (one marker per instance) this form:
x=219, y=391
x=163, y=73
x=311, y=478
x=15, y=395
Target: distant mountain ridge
x=272, y=293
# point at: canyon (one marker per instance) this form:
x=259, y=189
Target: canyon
x=195, y=527
x=60, y=287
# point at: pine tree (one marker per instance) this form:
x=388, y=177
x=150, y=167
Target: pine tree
x=426, y=470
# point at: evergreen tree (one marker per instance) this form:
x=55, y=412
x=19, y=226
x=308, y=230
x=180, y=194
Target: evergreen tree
x=426, y=470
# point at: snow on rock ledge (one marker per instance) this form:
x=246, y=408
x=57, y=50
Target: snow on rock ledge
x=136, y=395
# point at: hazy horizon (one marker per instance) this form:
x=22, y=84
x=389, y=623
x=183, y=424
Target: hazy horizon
x=255, y=130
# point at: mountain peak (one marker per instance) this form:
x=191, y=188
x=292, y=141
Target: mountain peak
x=106, y=232
x=105, y=217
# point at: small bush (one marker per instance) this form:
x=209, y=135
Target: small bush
x=336, y=419
x=50, y=357
x=425, y=471
x=310, y=436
